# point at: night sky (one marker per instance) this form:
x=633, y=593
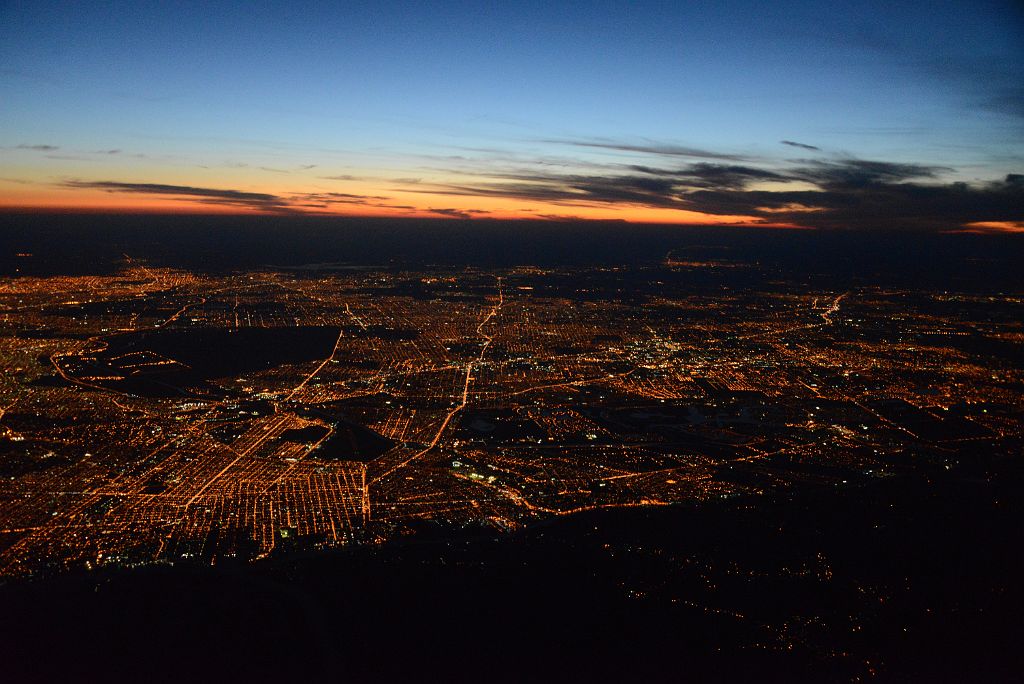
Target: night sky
x=870, y=115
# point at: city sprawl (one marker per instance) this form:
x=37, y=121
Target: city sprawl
x=166, y=416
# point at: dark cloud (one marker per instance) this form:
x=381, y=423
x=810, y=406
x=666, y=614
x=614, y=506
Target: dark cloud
x=648, y=186
x=291, y=203
x=559, y=217
x=255, y=200
x=705, y=174
x=38, y=148
x=341, y=178
x=452, y=213
x=648, y=147
x=652, y=170
x=341, y=197
x=330, y=199
x=727, y=175
x=877, y=205
x=347, y=195
x=845, y=193
x=828, y=194
x=802, y=146
x=578, y=191
x=862, y=172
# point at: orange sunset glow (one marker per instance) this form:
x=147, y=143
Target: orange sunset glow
x=351, y=199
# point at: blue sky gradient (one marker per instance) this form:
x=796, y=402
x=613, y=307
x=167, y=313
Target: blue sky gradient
x=247, y=96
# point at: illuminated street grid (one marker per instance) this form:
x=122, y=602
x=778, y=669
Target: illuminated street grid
x=377, y=400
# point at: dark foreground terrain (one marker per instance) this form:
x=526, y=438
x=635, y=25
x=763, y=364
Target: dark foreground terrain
x=912, y=579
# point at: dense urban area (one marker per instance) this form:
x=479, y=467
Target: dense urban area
x=157, y=415
x=776, y=470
